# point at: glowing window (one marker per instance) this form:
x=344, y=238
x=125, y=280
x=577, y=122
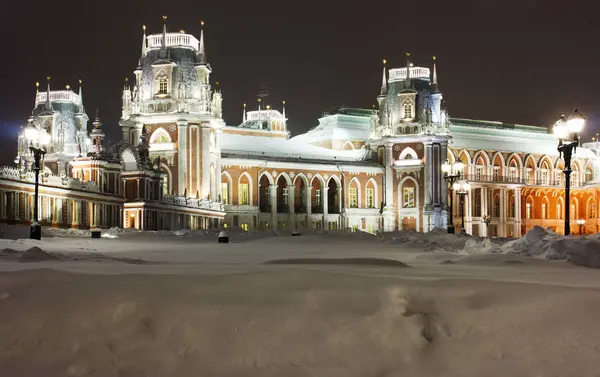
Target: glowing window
x=161, y=139
x=162, y=85
x=407, y=111
x=244, y=197
x=544, y=215
x=353, y=198
x=370, y=198
x=409, y=197
x=528, y=211
x=318, y=197
x=224, y=193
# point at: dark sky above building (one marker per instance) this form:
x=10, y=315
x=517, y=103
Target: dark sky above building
x=521, y=61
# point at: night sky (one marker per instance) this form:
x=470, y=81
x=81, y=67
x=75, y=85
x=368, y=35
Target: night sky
x=519, y=61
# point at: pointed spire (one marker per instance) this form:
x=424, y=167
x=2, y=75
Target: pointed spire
x=164, y=33
x=201, y=52
x=383, y=80
x=144, y=46
x=283, y=104
x=434, y=81
x=48, y=105
x=408, y=67
x=244, y=114
x=259, y=101
x=37, y=91
x=126, y=85
x=97, y=120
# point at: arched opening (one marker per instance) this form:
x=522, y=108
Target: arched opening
x=497, y=168
x=545, y=208
x=299, y=195
x=530, y=208
x=544, y=172
x=348, y=146
x=591, y=208
x=408, y=199
x=166, y=180
x=282, y=195
x=370, y=194
x=574, y=209
x=354, y=194
x=333, y=203
x=496, y=206
x=589, y=172
x=226, y=188
x=529, y=170
x=513, y=170
x=316, y=196
x=477, y=203
x=560, y=209
x=265, y=198
x=480, y=169
x=244, y=190
x=575, y=174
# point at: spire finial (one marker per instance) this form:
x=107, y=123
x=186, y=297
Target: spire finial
x=48, y=105
x=407, y=66
x=259, y=101
x=244, y=114
x=97, y=119
x=383, y=80
x=201, y=51
x=283, y=105
x=164, y=38
x=434, y=81
x=81, y=94
x=144, y=46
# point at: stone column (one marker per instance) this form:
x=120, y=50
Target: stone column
x=181, y=156
x=308, y=202
x=388, y=209
x=428, y=213
x=517, y=224
x=483, y=231
x=444, y=186
x=291, y=206
x=469, y=198
x=502, y=222
x=205, y=167
x=273, y=202
x=218, y=167
x=325, y=201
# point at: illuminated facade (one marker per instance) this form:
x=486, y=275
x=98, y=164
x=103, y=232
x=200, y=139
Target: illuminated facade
x=179, y=165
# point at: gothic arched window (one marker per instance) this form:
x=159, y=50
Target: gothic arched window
x=407, y=110
x=162, y=85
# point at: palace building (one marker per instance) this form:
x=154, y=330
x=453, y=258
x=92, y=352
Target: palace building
x=179, y=165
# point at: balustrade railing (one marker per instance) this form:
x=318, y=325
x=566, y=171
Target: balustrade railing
x=173, y=39
x=194, y=203
x=521, y=180
x=58, y=95
x=15, y=174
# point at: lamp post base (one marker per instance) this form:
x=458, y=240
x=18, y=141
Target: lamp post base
x=35, y=231
x=451, y=228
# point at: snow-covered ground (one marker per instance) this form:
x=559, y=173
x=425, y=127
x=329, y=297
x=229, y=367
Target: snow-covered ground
x=335, y=304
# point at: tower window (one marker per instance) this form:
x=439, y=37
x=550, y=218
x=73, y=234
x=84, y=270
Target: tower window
x=407, y=111
x=162, y=85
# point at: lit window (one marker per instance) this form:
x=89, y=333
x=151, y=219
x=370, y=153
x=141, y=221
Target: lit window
x=225, y=193
x=285, y=196
x=544, y=210
x=370, y=198
x=528, y=211
x=161, y=139
x=353, y=198
x=318, y=197
x=409, y=197
x=165, y=184
x=544, y=177
x=244, y=197
x=478, y=173
x=407, y=111
x=162, y=85
x=573, y=213
x=244, y=226
x=512, y=174
x=496, y=173
x=559, y=211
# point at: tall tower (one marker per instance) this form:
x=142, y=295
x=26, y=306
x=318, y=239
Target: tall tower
x=174, y=104
x=412, y=140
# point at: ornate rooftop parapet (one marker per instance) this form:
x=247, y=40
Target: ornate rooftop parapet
x=194, y=203
x=48, y=180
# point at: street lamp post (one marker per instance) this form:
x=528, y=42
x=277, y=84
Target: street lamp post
x=451, y=174
x=35, y=232
x=462, y=189
x=567, y=132
x=581, y=223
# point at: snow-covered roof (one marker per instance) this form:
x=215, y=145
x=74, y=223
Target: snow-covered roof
x=471, y=134
x=340, y=126
x=261, y=146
